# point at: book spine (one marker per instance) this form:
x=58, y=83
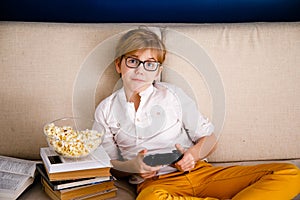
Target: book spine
x=79, y=192
x=83, y=183
x=99, y=195
x=44, y=158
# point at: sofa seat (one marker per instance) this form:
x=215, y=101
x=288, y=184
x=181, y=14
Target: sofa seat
x=126, y=191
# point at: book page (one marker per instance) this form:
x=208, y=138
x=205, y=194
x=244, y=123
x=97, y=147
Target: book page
x=10, y=183
x=17, y=166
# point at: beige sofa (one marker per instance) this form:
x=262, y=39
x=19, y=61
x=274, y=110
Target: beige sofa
x=245, y=78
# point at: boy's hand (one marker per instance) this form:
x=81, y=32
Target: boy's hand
x=187, y=163
x=145, y=171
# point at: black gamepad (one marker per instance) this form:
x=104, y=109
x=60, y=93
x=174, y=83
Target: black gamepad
x=163, y=158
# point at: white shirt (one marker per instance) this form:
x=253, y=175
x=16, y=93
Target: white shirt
x=165, y=116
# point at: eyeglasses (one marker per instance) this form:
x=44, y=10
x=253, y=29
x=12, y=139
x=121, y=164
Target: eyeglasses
x=135, y=63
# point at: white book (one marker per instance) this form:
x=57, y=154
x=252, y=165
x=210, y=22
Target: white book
x=15, y=176
x=56, y=163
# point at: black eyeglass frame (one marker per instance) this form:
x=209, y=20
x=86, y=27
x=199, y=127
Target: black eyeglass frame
x=158, y=64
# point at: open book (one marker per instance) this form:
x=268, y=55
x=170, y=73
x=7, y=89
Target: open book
x=15, y=176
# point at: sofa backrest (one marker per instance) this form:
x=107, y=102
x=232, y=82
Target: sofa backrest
x=244, y=77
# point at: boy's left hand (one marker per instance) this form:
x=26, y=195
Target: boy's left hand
x=148, y=174
x=187, y=163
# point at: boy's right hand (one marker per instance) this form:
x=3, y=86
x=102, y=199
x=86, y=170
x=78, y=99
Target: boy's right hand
x=145, y=171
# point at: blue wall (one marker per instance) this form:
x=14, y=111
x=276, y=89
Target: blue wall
x=151, y=11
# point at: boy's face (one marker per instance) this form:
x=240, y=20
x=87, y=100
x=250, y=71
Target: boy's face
x=136, y=80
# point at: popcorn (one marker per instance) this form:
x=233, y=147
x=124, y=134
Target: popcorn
x=71, y=143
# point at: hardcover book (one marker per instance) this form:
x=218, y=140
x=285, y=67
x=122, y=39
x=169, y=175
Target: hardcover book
x=102, y=190
x=60, y=168
x=55, y=163
x=60, y=185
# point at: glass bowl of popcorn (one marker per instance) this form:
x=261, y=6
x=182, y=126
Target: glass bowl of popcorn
x=74, y=137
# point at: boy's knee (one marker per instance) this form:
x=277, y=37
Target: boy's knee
x=291, y=174
x=288, y=169
x=152, y=193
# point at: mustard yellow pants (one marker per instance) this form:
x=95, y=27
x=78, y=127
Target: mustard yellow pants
x=276, y=181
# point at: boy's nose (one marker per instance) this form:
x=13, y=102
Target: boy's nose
x=140, y=68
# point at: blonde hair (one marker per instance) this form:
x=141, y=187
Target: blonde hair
x=141, y=38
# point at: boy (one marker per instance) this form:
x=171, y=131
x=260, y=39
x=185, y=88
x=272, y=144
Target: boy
x=148, y=117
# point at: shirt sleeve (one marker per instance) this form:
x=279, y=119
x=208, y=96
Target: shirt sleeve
x=108, y=143
x=195, y=124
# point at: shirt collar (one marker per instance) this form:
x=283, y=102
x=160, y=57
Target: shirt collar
x=146, y=93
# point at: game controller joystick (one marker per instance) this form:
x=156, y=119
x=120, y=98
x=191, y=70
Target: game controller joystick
x=163, y=158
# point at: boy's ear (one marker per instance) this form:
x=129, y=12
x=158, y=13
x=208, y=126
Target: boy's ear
x=158, y=76
x=118, y=65
x=160, y=69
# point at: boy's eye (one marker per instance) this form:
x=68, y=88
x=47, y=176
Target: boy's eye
x=150, y=64
x=132, y=61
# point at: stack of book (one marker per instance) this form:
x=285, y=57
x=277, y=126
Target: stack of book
x=76, y=178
